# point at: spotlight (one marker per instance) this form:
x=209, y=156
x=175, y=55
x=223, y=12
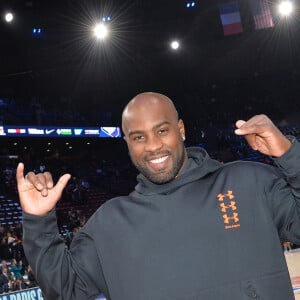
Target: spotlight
x=106, y=19
x=100, y=31
x=9, y=17
x=285, y=8
x=175, y=45
x=36, y=31
x=190, y=4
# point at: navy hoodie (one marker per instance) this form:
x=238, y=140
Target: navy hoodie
x=213, y=233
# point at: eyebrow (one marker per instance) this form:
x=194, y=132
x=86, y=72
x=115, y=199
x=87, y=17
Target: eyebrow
x=154, y=127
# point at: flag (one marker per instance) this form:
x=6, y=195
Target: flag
x=231, y=18
x=262, y=14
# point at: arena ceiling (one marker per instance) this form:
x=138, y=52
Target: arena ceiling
x=66, y=60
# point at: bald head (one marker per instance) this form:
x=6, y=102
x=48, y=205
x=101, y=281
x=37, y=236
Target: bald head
x=147, y=103
x=154, y=137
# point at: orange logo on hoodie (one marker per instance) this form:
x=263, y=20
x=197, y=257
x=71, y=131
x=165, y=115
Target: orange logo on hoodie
x=229, y=208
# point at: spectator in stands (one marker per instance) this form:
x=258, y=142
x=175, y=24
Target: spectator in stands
x=190, y=229
x=2, y=232
x=10, y=238
x=15, y=245
x=16, y=268
x=19, y=231
x=8, y=271
x=82, y=220
x=31, y=277
x=5, y=252
x=18, y=284
x=5, y=280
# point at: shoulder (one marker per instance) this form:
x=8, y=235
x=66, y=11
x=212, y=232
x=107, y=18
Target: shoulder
x=108, y=211
x=250, y=167
x=113, y=204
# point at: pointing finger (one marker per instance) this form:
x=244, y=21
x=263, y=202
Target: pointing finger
x=240, y=123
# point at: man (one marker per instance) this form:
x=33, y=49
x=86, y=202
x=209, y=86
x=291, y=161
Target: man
x=189, y=230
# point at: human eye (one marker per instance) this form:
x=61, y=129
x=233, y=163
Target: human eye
x=163, y=131
x=138, y=138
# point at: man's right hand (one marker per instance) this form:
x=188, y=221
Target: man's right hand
x=37, y=193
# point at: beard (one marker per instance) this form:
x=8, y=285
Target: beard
x=162, y=176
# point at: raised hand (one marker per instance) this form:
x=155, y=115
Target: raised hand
x=38, y=194
x=262, y=135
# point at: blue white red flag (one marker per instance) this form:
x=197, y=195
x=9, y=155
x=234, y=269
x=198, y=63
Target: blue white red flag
x=231, y=18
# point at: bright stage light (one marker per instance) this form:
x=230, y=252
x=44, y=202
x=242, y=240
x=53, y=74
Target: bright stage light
x=9, y=17
x=101, y=31
x=36, y=31
x=190, y=4
x=285, y=8
x=106, y=19
x=175, y=45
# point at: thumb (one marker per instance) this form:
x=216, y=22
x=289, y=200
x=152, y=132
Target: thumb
x=61, y=184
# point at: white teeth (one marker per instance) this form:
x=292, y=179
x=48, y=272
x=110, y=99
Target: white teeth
x=159, y=160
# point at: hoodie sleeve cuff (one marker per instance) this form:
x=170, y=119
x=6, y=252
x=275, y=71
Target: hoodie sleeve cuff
x=289, y=163
x=37, y=226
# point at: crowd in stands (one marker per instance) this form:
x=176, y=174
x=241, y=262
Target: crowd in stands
x=15, y=273
x=209, y=105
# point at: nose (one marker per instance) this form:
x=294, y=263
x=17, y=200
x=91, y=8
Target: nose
x=153, y=144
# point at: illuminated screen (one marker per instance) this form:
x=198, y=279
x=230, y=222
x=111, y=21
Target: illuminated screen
x=55, y=131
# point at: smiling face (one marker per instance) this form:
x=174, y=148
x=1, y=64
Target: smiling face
x=154, y=137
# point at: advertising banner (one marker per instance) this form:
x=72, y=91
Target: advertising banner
x=30, y=294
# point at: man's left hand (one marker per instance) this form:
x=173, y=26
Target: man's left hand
x=262, y=135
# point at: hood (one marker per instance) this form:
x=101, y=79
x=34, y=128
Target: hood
x=199, y=165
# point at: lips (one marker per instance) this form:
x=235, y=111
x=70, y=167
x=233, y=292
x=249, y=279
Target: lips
x=158, y=160
x=159, y=164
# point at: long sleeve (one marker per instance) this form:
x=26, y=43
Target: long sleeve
x=73, y=274
x=289, y=164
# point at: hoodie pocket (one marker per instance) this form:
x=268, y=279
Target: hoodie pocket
x=269, y=287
